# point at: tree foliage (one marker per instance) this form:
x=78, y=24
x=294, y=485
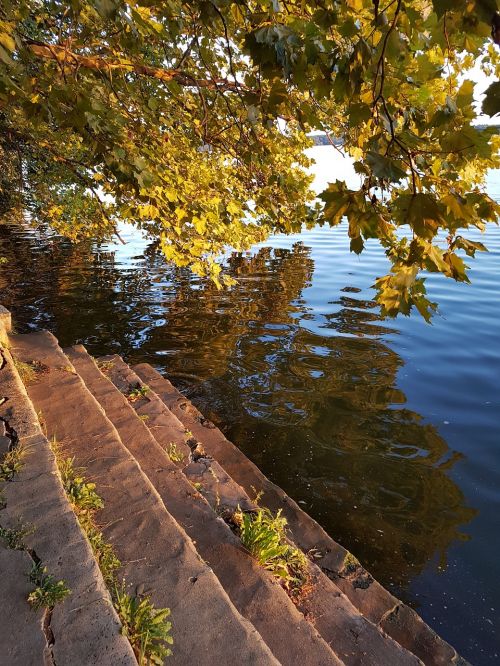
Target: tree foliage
x=189, y=119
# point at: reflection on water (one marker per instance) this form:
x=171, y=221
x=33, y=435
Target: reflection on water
x=316, y=406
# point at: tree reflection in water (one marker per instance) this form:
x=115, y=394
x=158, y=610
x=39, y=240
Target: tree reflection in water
x=318, y=409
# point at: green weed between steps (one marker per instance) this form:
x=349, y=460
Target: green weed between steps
x=264, y=536
x=29, y=371
x=11, y=463
x=174, y=453
x=14, y=537
x=138, y=391
x=145, y=626
x=48, y=592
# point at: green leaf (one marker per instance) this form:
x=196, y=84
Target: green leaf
x=491, y=102
x=385, y=168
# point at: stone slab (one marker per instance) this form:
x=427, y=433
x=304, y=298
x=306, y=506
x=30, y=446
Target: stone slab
x=85, y=626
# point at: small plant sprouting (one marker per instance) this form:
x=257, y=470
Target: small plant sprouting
x=197, y=486
x=264, y=536
x=105, y=366
x=80, y=493
x=29, y=371
x=174, y=453
x=145, y=626
x=144, y=417
x=103, y=551
x=138, y=391
x=25, y=370
x=48, y=592
x=11, y=464
x=14, y=537
x=86, y=502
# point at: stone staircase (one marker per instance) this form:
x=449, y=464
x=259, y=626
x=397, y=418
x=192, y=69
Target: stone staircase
x=170, y=482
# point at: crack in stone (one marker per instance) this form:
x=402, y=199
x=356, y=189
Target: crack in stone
x=46, y=618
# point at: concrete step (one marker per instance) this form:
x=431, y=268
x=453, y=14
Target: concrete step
x=339, y=623
x=371, y=599
x=84, y=627
x=255, y=593
x=157, y=555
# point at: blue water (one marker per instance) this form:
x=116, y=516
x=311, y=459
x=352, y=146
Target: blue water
x=387, y=432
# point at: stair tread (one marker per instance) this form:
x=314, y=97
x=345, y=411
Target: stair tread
x=253, y=590
x=335, y=618
x=366, y=594
x=35, y=497
x=159, y=556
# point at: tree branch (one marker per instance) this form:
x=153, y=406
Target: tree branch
x=74, y=60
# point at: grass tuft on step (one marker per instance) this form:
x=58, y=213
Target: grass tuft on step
x=264, y=536
x=11, y=463
x=29, y=371
x=48, y=592
x=14, y=536
x=137, y=392
x=174, y=453
x=146, y=627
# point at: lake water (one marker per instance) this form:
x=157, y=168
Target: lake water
x=387, y=432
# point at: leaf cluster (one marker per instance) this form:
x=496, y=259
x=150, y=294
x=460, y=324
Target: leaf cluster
x=190, y=119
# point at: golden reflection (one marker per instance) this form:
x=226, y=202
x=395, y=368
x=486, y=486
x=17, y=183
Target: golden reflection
x=316, y=406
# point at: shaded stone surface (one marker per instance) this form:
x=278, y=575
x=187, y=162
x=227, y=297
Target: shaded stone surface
x=22, y=639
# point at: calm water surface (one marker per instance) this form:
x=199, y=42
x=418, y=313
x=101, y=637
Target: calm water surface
x=387, y=432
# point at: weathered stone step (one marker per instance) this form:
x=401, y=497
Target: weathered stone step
x=157, y=555
x=355, y=639
x=84, y=627
x=252, y=589
x=375, y=602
